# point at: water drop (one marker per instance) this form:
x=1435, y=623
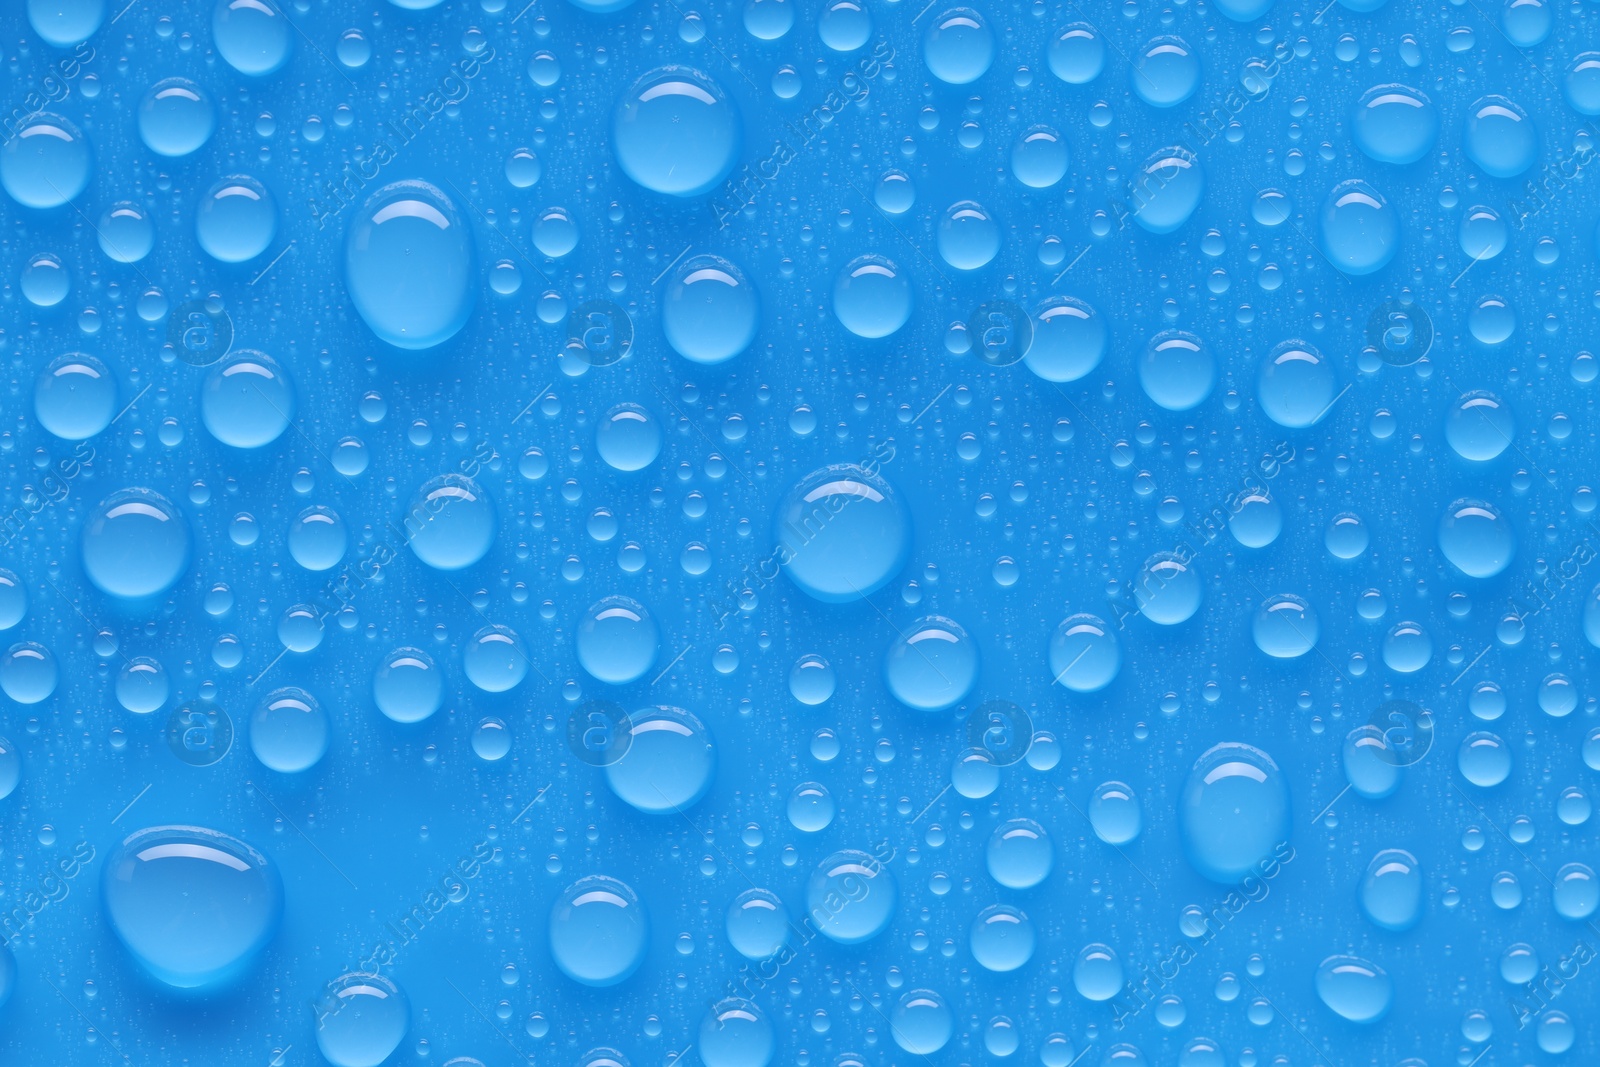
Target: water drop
x=409, y=266
x=845, y=533
x=362, y=1021
x=851, y=897
x=676, y=132
x=407, y=686
x=289, y=731
x=598, y=931
x=711, y=311
x=618, y=640
x=135, y=544
x=1233, y=812
x=669, y=764
x=872, y=297
x=451, y=522
x=236, y=220
x=193, y=906
x=932, y=665
x=46, y=162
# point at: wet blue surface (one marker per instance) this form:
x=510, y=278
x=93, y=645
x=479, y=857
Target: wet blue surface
x=615, y=534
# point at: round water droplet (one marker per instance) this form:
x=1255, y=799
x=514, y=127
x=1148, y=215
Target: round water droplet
x=932, y=665
x=1391, y=890
x=125, y=233
x=676, y=132
x=1168, y=590
x=236, y=220
x=300, y=628
x=45, y=281
x=1002, y=938
x=1097, y=975
x=1070, y=339
x=64, y=23
x=362, y=1020
x=844, y=25
x=758, y=924
x=46, y=162
x=1359, y=231
x=491, y=740
x=1295, y=385
x=968, y=236
x=1483, y=233
x=1019, y=855
x=1038, y=158
x=598, y=931
x=736, y=1033
x=13, y=600
x=1178, y=371
x=922, y=1023
x=1370, y=766
x=409, y=266
x=711, y=311
x=1257, y=519
x=28, y=672
x=407, y=686
x=1285, y=627
x=1475, y=537
x=1234, y=811
x=494, y=660
x=618, y=640
x=1479, y=427
x=135, y=544
x=895, y=192
x=1166, y=72
x=670, y=762
x=1114, y=813
x=176, y=118
x=811, y=807
x=1576, y=892
x=1407, y=648
x=317, y=538
x=1484, y=759
x=851, y=897
x=1527, y=23
x=1354, y=988
x=247, y=400
x=872, y=297
x=845, y=533
x=193, y=906
x=769, y=20
x=75, y=396
x=142, y=685
x=1169, y=187
x=451, y=522
x=1395, y=124
x=812, y=680
x=1077, y=54
x=1085, y=654
x=629, y=438
x=958, y=46
x=289, y=731
x=253, y=36
x=1500, y=137
x=1582, y=83
x=1347, y=537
